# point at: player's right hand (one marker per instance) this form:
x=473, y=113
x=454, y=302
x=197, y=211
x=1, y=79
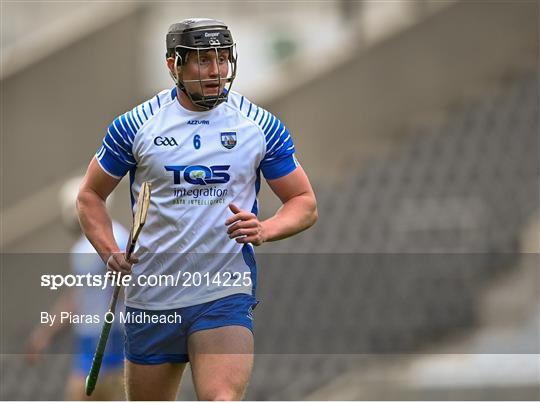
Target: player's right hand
x=118, y=263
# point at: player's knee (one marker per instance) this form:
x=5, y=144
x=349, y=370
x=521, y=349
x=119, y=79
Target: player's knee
x=222, y=394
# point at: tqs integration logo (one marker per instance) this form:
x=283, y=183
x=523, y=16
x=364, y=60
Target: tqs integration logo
x=199, y=174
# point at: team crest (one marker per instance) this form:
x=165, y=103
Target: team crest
x=228, y=139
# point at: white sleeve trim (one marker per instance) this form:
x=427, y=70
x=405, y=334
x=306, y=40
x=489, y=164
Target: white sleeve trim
x=107, y=172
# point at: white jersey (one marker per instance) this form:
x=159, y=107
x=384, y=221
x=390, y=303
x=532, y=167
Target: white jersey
x=197, y=163
x=93, y=300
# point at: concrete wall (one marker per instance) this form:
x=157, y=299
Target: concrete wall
x=370, y=101
x=358, y=110
x=55, y=111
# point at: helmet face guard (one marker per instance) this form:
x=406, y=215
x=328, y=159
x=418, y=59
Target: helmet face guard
x=200, y=36
x=202, y=99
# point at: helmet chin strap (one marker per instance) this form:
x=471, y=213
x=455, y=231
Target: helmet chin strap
x=204, y=102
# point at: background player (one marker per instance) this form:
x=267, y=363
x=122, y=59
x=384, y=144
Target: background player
x=203, y=148
x=87, y=301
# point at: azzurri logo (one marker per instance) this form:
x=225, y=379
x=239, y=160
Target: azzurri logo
x=199, y=174
x=165, y=141
x=198, y=122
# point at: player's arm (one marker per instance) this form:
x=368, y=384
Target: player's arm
x=41, y=336
x=95, y=221
x=298, y=212
x=299, y=209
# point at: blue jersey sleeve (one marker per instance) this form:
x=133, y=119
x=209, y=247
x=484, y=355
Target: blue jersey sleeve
x=279, y=159
x=116, y=152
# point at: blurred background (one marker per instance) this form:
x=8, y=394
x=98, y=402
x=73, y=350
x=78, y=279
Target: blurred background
x=418, y=124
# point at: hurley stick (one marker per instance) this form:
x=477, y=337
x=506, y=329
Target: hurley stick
x=143, y=202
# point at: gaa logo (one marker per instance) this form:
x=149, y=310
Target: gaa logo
x=165, y=141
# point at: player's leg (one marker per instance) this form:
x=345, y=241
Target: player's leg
x=75, y=388
x=221, y=362
x=153, y=382
x=111, y=379
x=110, y=387
x=156, y=356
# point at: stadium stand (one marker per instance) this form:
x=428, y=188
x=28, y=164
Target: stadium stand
x=395, y=261
x=399, y=256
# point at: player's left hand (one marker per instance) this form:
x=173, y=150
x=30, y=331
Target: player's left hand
x=244, y=227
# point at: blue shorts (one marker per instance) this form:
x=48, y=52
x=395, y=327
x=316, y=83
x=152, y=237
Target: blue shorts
x=113, y=358
x=156, y=343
